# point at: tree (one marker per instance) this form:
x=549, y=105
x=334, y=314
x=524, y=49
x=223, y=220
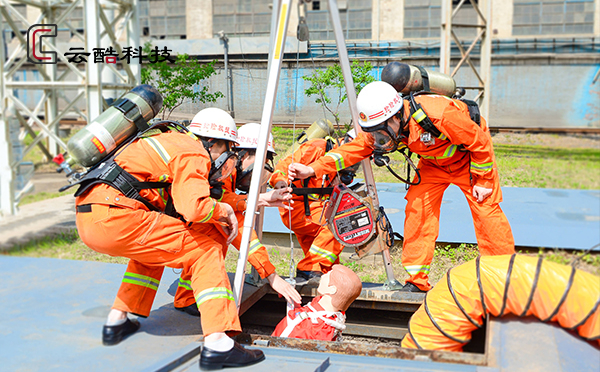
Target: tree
x=323, y=81
x=177, y=82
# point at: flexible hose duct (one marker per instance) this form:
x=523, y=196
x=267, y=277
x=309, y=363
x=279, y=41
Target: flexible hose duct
x=500, y=285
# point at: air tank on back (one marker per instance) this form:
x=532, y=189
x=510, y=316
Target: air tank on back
x=319, y=129
x=407, y=78
x=119, y=122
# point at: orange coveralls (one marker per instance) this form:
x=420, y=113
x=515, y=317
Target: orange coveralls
x=257, y=253
x=441, y=164
x=120, y=226
x=321, y=249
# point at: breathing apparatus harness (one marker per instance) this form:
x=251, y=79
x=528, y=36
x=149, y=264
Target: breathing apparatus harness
x=110, y=173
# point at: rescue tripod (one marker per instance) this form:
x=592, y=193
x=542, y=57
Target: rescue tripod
x=278, y=38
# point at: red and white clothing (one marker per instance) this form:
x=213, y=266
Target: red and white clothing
x=311, y=322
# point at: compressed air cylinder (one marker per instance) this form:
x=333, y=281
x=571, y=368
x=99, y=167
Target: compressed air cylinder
x=407, y=78
x=113, y=126
x=319, y=129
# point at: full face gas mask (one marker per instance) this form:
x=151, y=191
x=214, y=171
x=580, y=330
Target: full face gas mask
x=244, y=176
x=383, y=138
x=220, y=169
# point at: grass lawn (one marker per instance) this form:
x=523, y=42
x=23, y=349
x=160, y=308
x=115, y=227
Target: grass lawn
x=539, y=161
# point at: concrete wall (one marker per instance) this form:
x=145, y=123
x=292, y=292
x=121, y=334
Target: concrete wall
x=527, y=95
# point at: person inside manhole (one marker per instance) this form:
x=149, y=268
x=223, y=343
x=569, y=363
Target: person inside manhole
x=321, y=249
x=324, y=317
x=462, y=155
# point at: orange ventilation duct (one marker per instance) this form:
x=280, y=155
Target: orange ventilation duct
x=500, y=285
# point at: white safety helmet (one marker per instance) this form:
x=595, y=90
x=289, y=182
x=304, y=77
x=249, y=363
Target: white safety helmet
x=214, y=123
x=248, y=138
x=377, y=102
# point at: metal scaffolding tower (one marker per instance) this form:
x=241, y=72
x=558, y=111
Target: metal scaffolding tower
x=32, y=42
x=483, y=39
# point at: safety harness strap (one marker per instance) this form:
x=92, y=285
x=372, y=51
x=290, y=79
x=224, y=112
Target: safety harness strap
x=131, y=111
x=417, y=113
x=110, y=173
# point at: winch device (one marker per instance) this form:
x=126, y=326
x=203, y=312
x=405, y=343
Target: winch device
x=354, y=221
x=349, y=218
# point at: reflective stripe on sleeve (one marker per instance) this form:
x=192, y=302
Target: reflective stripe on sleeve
x=419, y=115
x=214, y=294
x=448, y=153
x=323, y=253
x=185, y=284
x=255, y=245
x=482, y=167
x=210, y=214
x=339, y=160
x=160, y=150
x=415, y=269
x=141, y=280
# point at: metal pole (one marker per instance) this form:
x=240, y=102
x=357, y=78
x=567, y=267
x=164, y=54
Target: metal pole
x=7, y=196
x=273, y=34
x=133, y=39
x=446, y=36
x=391, y=283
x=485, y=59
x=261, y=149
x=92, y=40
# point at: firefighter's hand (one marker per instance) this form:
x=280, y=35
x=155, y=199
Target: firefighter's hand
x=481, y=193
x=276, y=198
x=285, y=289
x=299, y=171
x=230, y=223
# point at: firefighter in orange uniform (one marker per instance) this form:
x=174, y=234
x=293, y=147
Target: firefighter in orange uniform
x=462, y=155
x=145, y=228
x=321, y=249
x=220, y=140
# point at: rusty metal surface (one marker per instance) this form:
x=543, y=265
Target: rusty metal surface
x=380, y=351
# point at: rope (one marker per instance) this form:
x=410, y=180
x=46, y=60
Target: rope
x=292, y=276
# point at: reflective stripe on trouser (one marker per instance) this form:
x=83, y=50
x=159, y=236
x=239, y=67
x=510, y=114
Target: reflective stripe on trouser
x=421, y=225
x=155, y=239
x=139, y=284
x=321, y=250
x=184, y=296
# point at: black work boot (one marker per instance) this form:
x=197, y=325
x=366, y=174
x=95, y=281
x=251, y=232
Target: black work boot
x=112, y=335
x=238, y=356
x=409, y=287
x=190, y=309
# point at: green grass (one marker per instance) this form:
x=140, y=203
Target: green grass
x=65, y=245
x=32, y=198
x=519, y=166
x=545, y=167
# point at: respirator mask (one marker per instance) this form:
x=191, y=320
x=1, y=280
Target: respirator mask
x=244, y=176
x=220, y=169
x=382, y=137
